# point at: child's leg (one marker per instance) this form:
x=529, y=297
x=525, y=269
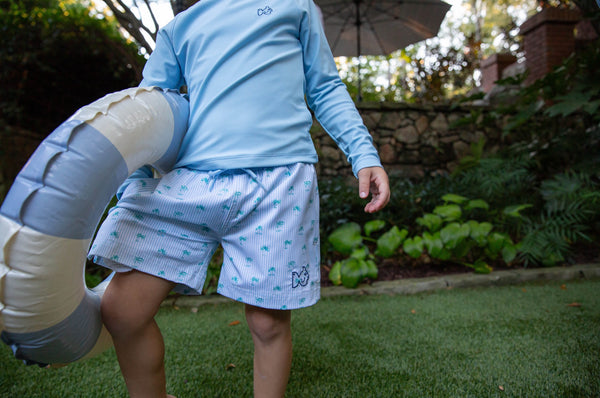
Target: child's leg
x=272, y=336
x=129, y=305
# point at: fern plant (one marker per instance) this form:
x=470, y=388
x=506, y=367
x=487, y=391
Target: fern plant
x=571, y=206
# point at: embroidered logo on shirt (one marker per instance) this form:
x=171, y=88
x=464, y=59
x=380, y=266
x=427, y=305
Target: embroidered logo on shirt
x=264, y=11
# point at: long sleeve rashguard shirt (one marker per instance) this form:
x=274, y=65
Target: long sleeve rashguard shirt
x=251, y=67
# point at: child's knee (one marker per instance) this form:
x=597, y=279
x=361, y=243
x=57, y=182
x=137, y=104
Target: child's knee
x=119, y=316
x=267, y=325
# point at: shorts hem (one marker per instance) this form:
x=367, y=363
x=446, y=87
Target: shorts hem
x=273, y=302
x=180, y=287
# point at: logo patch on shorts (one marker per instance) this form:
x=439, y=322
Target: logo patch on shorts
x=300, y=279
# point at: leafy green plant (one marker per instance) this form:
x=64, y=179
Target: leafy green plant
x=571, y=206
x=449, y=234
x=360, y=263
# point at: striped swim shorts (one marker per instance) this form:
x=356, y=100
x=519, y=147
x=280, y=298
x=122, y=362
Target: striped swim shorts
x=266, y=220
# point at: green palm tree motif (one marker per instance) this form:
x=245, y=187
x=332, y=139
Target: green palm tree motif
x=259, y=300
x=307, y=185
x=114, y=234
x=257, y=200
x=287, y=244
x=162, y=252
x=185, y=253
x=178, y=213
x=301, y=231
x=183, y=188
x=276, y=203
x=265, y=249
x=255, y=280
x=138, y=216
x=291, y=265
x=200, y=207
x=205, y=180
x=272, y=271
x=167, y=187
x=259, y=230
x=277, y=288
x=280, y=225
x=291, y=190
x=155, y=211
x=138, y=260
x=139, y=237
x=183, y=236
x=242, y=240
x=302, y=300
x=181, y=275
x=296, y=209
x=161, y=232
x=226, y=208
x=115, y=258
x=161, y=273
x=115, y=213
x=235, y=279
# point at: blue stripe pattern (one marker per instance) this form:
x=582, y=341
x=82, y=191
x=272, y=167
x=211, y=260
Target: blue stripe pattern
x=63, y=342
x=63, y=190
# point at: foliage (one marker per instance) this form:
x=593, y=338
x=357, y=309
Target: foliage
x=56, y=57
x=360, y=264
x=551, y=160
x=571, y=207
x=459, y=230
x=340, y=202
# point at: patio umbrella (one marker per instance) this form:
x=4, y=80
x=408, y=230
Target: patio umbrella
x=379, y=27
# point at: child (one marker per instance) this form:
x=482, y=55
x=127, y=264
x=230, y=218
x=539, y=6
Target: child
x=244, y=178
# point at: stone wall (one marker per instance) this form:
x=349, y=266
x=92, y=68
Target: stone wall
x=413, y=141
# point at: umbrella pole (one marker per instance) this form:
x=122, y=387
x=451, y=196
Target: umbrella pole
x=358, y=23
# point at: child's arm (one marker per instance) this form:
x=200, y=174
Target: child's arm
x=335, y=110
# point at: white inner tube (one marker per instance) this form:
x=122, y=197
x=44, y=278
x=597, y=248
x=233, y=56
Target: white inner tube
x=50, y=214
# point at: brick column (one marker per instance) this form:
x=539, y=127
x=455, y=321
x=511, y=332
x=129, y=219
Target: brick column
x=492, y=67
x=548, y=39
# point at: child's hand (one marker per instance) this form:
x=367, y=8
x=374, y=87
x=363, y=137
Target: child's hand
x=374, y=180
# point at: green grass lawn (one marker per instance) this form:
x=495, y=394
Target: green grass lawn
x=534, y=340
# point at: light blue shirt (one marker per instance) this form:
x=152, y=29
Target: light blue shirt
x=251, y=67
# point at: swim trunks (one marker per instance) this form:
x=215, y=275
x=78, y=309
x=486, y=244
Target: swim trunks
x=266, y=220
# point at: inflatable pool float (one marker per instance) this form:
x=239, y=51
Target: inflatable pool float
x=50, y=214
